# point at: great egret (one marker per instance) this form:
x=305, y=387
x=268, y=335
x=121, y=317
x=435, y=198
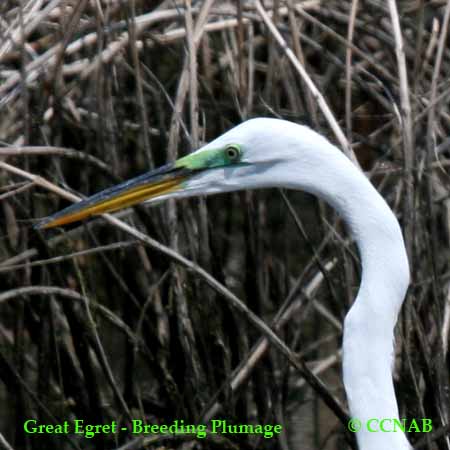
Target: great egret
x=262, y=153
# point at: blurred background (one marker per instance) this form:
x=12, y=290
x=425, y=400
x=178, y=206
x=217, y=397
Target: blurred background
x=101, y=326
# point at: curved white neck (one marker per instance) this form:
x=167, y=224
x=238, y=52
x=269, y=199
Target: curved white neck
x=280, y=153
x=369, y=325
x=368, y=344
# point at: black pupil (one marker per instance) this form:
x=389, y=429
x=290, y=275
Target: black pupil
x=232, y=152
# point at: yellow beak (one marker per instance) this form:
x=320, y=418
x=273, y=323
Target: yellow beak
x=166, y=179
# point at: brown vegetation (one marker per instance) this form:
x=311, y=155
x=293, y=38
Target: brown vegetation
x=161, y=315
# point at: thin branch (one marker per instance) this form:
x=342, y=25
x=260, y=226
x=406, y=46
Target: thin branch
x=309, y=83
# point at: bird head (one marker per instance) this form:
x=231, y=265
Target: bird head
x=254, y=154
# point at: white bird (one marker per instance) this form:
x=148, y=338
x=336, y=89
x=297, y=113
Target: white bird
x=263, y=153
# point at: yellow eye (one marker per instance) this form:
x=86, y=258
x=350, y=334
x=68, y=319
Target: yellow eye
x=233, y=153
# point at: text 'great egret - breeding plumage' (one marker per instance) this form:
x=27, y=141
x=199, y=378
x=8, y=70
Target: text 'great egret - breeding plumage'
x=262, y=153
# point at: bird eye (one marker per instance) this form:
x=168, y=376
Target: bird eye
x=233, y=152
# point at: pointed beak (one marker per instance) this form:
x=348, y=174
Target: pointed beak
x=164, y=180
